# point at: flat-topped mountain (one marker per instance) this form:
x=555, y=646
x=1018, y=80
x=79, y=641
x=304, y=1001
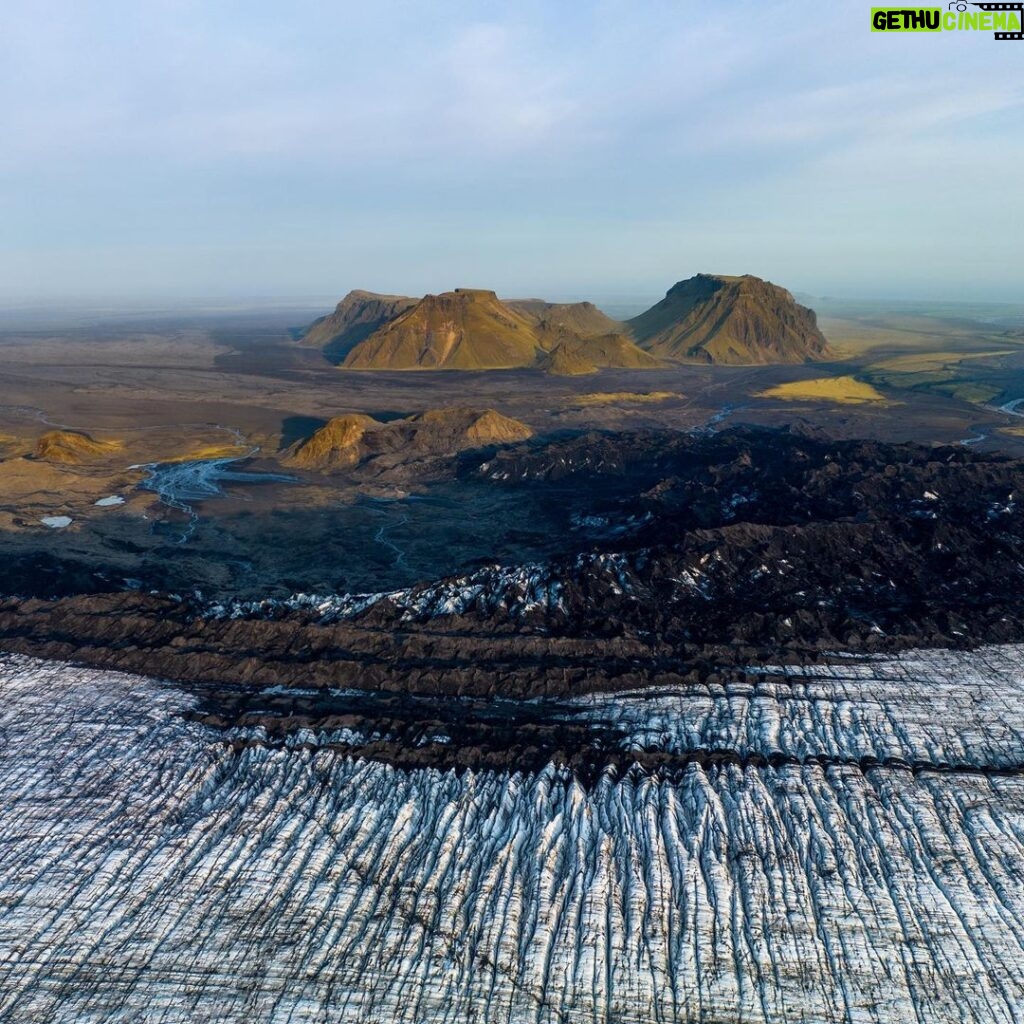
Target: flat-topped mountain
x=735, y=320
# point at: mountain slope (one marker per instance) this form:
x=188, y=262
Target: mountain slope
x=708, y=318
x=354, y=319
x=336, y=445
x=467, y=329
x=733, y=320
x=581, y=318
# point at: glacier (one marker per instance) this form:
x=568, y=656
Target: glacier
x=858, y=857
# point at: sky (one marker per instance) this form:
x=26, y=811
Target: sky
x=264, y=150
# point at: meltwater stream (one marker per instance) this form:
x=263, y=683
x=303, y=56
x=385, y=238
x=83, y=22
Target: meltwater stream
x=180, y=485
x=152, y=871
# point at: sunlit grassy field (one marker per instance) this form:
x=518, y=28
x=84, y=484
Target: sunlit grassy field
x=845, y=390
x=625, y=397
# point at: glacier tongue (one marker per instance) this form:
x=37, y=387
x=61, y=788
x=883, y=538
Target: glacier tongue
x=149, y=872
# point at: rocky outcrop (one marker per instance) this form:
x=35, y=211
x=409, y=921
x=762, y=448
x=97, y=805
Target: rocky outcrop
x=734, y=320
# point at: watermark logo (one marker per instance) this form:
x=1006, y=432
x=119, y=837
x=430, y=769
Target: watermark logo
x=1004, y=20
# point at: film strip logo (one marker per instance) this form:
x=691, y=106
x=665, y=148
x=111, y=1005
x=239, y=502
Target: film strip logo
x=1018, y=7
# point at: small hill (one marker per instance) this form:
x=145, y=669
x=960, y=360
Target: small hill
x=336, y=445
x=573, y=356
x=349, y=441
x=467, y=329
x=731, y=320
x=71, y=447
x=580, y=318
x=455, y=428
x=567, y=361
x=354, y=319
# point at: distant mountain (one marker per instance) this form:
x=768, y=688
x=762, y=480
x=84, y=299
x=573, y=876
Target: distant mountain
x=735, y=320
x=708, y=318
x=467, y=329
x=354, y=319
x=347, y=441
x=472, y=329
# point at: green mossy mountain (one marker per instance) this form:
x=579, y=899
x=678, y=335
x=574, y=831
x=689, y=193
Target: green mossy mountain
x=730, y=320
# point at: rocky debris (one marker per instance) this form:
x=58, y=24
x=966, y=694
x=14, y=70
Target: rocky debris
x=740, y=320
x=699, y=555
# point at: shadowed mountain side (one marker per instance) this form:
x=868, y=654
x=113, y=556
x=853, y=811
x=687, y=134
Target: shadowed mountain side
x=298, y=428
x=732, y=320
x=354, y=319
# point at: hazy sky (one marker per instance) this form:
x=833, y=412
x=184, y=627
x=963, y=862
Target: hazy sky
x=162, y=148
